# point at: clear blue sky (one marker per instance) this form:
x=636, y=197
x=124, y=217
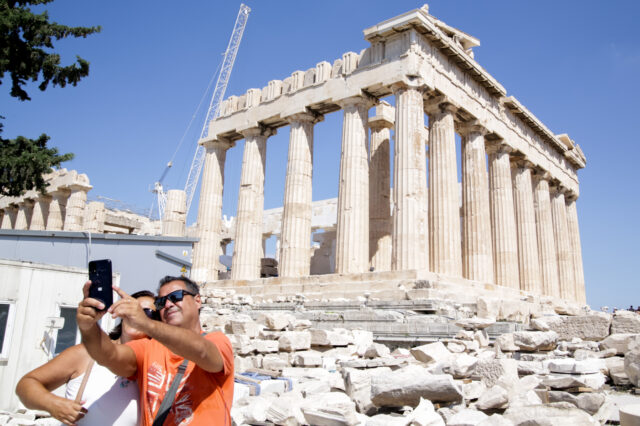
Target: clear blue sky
x=574, y=64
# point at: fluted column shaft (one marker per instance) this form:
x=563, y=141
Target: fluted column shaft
x=295, y=239
x=444, y=200
x=352, y=239
x=563, y=245
x=57, y=210
x=477, y=259
x=528, y=258
x=94, y=217
x=9, y=218
x=546, y=242
x=574, y=236
x=380, y=224
x=247, y=247
x=40, y=213
x=76, y=204
x=503, y=224
x=410, y=223
x=22, y=217
x=207, y=251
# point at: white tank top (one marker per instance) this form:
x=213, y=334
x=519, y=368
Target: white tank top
x=110, y=400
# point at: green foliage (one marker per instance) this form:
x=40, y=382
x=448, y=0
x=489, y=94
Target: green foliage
x=23, y=37
x=26, y=43
x=24, y=161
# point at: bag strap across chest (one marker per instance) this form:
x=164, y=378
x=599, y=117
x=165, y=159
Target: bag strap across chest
x=170, y=396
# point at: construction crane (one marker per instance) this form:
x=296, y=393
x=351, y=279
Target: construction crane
x=212, y=113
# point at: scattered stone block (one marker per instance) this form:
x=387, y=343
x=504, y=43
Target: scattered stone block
x=276, y=320
x=467, y=417
x=307, y=359
x=493, y=398
x=330, y=338
x=625, y=322
x=376, y=350
x=564, y=381
x=265, y=346
x=587, y=327
x=547, y=415
x=505, y=342
x=535, y=340
x=431, y=352
x=407, y=385
x=329, y=409
x=294, y=341
x=462, y=366
x=632, y=366
x=621, y=342
x=358, y=387
x=475, y=323
x=473, y=390
x=571, y=366
x=424, y=415
x=491, y=370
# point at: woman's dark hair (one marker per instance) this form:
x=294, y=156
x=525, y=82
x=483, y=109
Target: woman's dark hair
x=116, y=332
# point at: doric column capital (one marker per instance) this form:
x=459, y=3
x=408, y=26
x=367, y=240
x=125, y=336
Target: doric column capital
x=358, y=100
x=258, y=131
x=439, y=104
x=43, y=198
x=60, y=193
x=74, y=187
x=219, y=144
x=497, y=147
x=570, y=196
x=305, y=117
x=520, y=161
x=541, y=174
x=384, y=117
x=555, y=187
x=401, y=86
x=473, y=126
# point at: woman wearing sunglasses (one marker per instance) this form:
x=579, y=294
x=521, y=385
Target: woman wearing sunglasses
x=105, y=398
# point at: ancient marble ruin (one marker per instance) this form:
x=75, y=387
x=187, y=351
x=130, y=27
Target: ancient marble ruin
x=64, y=207
x=510, y=228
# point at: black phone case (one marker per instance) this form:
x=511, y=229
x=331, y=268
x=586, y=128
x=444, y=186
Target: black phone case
x=101, y=281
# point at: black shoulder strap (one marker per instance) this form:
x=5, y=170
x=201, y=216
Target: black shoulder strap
x=170, y=396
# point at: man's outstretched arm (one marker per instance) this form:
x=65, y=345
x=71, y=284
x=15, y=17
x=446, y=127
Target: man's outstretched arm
x=120, y=359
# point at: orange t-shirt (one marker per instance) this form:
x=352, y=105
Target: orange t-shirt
x=203, y=398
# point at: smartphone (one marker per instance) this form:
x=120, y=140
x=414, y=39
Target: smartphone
x=101, y=285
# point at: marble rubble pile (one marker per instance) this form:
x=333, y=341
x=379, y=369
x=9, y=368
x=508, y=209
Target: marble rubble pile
x=562, y=370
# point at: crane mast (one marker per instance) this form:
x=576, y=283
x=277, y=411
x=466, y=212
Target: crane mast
x=216, y=100
x=212, y=113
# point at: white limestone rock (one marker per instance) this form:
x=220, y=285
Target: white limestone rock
x=496, y=420
x=285, y=410
x=306, y=373
x=563, y=381
x=473, y=390
x=481, y=337
x=392, y=419
x=526, y=368
x=407, y=385
x=301, y=324
x=252, y=409
x=589, y=402
x=549, y=415
x=475, y=323
x=571, y=366
x=276, y=320
x=307, y=359
x=330, y=338
x=431, y=352
x=593, y=327
x=313, y=387
x=491, y=370
x=424, y=415
x=274, y=363
x=376, y=350
x=241, y=344
x=265, y=346
x=467, y=417
x=615, y=366
x=329, y=409
x=245, y=327
x=632, y=366
x=621, y=342
x=494, y=397
x=625, y=322
x=505, y=343
x=461, y=366
x=358, y=386
x=535, y=340
x=294, y=341
x=456, y=346
x=630, y=415
x=539, y=324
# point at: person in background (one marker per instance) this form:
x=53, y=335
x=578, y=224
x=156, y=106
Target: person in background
x=106, y=399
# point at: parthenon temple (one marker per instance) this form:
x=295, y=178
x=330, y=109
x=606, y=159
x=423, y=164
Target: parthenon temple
x=511, y=223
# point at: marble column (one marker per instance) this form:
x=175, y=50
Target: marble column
x=528, y=258
x=352, y=239
x=295, y=239
x=95, y=215
x=409, y=238
x=477, y=257
x=563, y=244
x=76, y=204
x=574, y=236
x=57, y=210
x=175, y=214
x=25, y=210
x=40, y=213
x=503, y=222
x=9, y=218
x=445, y=247
x=207, y=251
x=380, y=224
x=247, y=247
x=546, y=241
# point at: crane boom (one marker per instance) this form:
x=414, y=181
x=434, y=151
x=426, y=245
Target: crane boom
x=216, y=99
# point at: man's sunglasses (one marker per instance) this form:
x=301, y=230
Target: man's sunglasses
x=151, y=313
x=174, y=296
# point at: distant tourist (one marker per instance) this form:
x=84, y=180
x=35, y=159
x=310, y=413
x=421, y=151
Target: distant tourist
x=105, y=398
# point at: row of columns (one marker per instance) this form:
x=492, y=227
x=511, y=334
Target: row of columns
x=516, y=230
x=60, y=210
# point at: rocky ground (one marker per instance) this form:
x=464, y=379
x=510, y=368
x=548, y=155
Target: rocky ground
x=559, y=370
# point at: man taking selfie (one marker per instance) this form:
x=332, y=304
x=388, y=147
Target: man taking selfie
x=184, y=376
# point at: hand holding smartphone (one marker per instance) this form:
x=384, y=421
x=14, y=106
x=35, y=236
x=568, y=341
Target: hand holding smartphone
x=100, y=276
